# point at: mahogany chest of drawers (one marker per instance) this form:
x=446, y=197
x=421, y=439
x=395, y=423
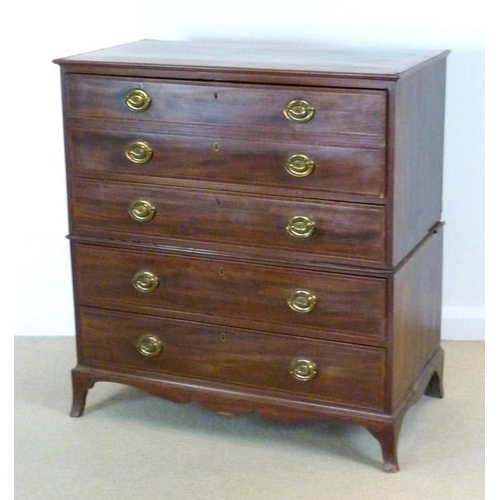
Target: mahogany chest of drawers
x=256, y=228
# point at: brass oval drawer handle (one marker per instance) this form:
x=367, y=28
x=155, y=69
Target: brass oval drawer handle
x=300, y=226
x=145, y=281
x=303, y=369
x=299, y=165
x=139, y=152
x=141, y=210
x=137, y=100
x=299, y=111
x=149, y=346
x=302, y=301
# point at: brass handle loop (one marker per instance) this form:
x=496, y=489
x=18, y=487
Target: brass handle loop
x=303, y=369
x=299, y=165
x=137, y=100
x=139, y=152
x=299, y=111
x=302, y=301
x=149, y=346
x=300, y=226
x=145, y=281
x=141, y=210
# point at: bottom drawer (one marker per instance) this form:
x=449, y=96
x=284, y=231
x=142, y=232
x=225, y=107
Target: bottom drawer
x=339, y=373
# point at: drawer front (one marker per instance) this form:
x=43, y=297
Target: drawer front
x=317, y=304
x=329, y=231
x=220, y=160
x=336, y=111
x=322, y=370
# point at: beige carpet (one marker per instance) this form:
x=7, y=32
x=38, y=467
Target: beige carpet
x=130, y=445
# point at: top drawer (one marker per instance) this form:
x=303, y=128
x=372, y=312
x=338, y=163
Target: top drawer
x=301, y=110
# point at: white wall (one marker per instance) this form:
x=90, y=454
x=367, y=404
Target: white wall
x=35, y=252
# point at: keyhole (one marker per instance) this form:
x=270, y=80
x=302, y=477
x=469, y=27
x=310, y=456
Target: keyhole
x=216, y=96
x=222, y=337
x=221, y=271
x=215, y=146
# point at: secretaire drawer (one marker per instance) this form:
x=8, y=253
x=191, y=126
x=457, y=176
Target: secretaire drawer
x=218, y=159
x=308, y=303
x=331, y=371
x=333, y=111
x=289, y=228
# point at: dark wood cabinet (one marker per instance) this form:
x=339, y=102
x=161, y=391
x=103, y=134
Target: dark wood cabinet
x=257, y=228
